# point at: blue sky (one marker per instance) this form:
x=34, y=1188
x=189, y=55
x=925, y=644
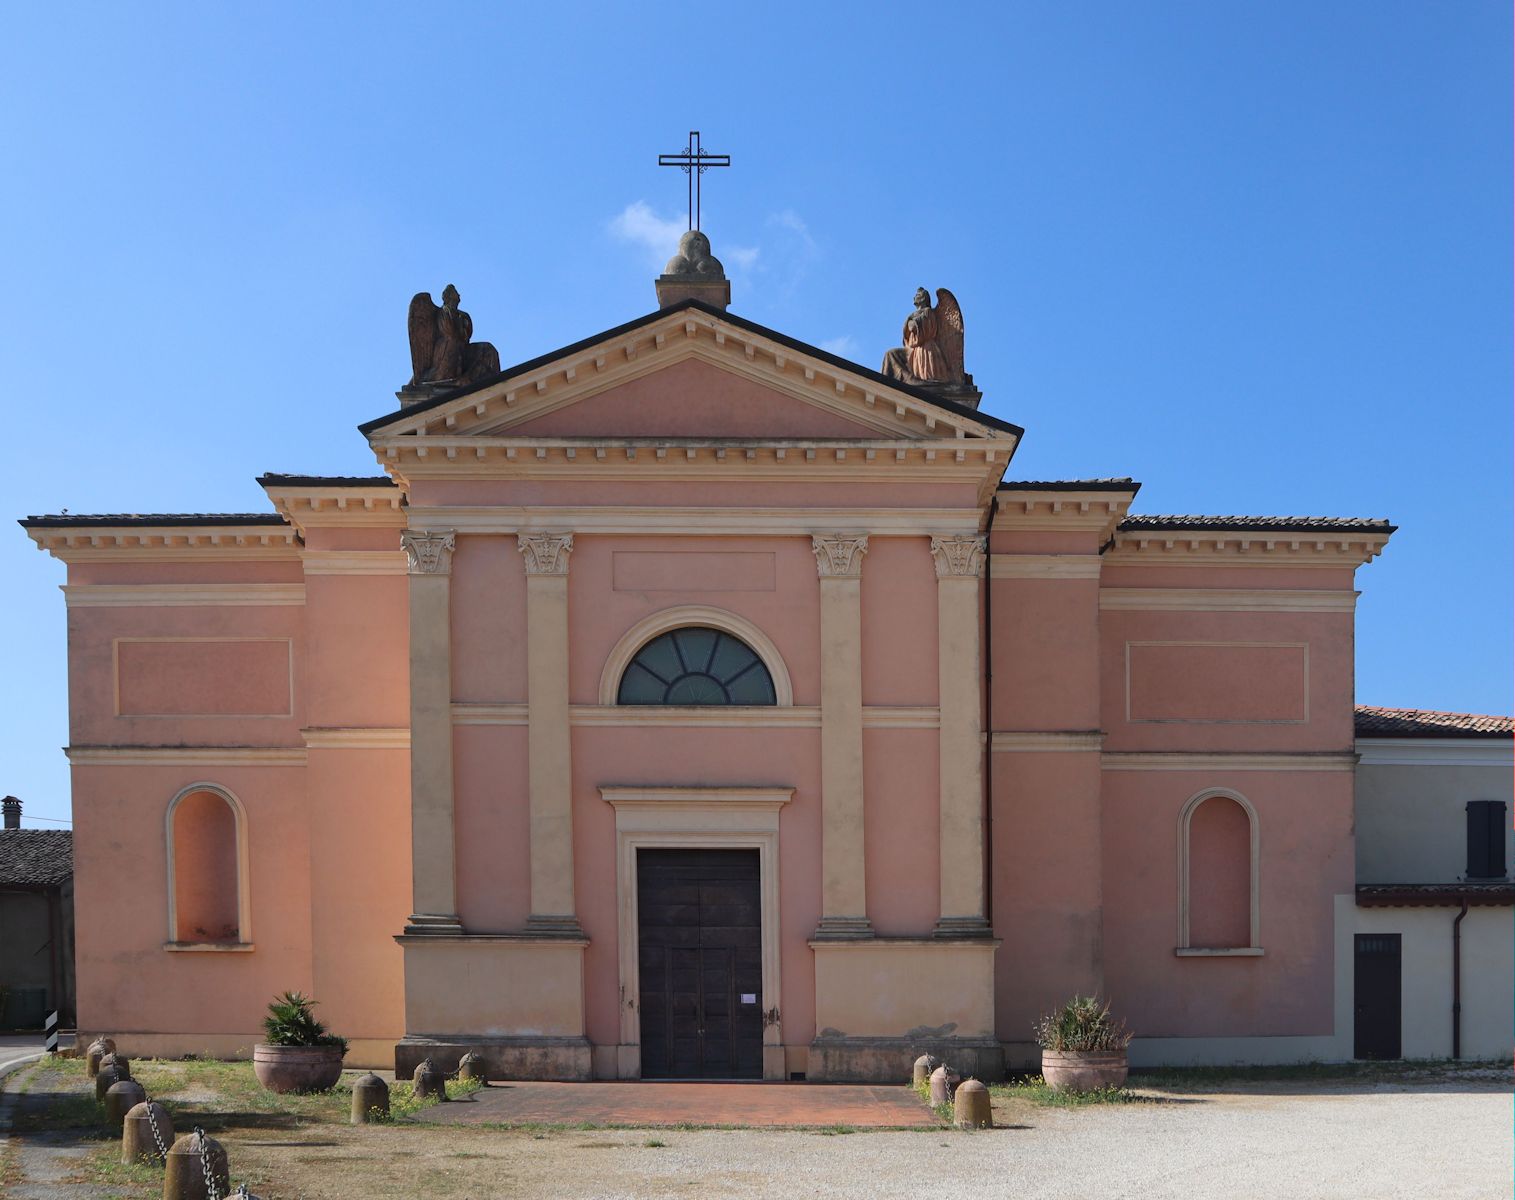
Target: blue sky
x=1256, y=256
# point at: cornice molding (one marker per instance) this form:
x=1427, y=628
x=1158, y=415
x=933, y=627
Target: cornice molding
x=958, y=556
x=1054, y=742
x=182, y=595
x=428, y=552
x=679, y=336
x=1345, y=550
x=1064, y=511
x=839, y=556
x=166, y=756
x=1182, y=760
x=649, y=716
x=720, y=797
x=169, y=543
x=336, y=507
x=1226, y=600
x=356, y=737
x=1044, y=566
x=700, y=521
x=1436, y=752
x=355, y=562
x=545, y=553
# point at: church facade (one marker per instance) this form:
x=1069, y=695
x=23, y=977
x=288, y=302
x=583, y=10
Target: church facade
x=692, y=702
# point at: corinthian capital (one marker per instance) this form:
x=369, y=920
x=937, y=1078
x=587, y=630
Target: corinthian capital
x=545, y=553
x=837, y=556
x=961, y=555
x=428, y=552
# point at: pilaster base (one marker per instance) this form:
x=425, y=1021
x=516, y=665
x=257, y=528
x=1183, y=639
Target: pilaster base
x=554, y=1058
x=554, y=926
x=843, y=929
x=438, y=924
x=842, y=1059
x=956, y=928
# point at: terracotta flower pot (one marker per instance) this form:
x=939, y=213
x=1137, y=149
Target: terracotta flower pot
x=297, y=1068
x=1083, y=1070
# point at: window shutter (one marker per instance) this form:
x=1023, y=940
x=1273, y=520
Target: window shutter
x=1486, y=822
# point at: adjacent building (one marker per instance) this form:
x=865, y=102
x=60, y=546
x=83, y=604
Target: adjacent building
x=36, y=922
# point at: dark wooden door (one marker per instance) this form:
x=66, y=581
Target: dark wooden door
x=1375, y=982
x=700, y=956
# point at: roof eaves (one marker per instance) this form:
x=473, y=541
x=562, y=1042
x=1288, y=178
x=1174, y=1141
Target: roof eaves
x=274, y=479
x=1158, y=522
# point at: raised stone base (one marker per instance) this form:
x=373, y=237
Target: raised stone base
x=554, y=1058
x=840, y=1059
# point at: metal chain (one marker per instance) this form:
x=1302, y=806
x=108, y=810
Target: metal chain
x=205, y=1170
x=152, y=1123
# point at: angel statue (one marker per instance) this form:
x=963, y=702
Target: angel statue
x=440, y=350
x=933, y=349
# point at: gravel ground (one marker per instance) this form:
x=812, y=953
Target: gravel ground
x=1362, y=1144
x=1443, y=1140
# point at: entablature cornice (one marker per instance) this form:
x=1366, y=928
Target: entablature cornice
x=308, y=507
x=683, y=334
x=172, y=543
x=1060, y=511
x=1344, y=551
x=698, y=521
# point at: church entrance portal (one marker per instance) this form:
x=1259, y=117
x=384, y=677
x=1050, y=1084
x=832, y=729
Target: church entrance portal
x=700, y=962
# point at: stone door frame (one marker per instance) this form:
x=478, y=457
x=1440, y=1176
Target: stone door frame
x=703, y=818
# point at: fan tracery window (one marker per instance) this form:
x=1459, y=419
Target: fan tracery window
x=696, y=666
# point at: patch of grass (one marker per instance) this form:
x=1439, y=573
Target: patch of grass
x=943, y=1111
x=1035, y=1090
x=654, y=1143
x=835, y=1130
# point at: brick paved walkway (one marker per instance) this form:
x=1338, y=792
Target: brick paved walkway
x=758, y=1105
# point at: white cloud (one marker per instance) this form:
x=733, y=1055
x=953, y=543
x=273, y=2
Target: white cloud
x=640, y=226
x=743, y=257
x=843, y=347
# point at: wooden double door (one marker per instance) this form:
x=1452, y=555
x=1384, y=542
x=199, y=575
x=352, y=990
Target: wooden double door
x=700, y=963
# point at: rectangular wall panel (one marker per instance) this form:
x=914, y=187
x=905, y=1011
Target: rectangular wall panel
x=216, y=677
x=1212, y=682
x=692, y=571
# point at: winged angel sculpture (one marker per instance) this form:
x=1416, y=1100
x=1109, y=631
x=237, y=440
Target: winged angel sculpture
x=440, y=349
x=933, y=349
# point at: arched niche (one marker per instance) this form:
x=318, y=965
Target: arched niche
x=205, y=828
x=1218, y=911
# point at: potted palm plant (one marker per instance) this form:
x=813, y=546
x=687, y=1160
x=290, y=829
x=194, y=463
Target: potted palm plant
x=1083, y=1046
x=300, y=1055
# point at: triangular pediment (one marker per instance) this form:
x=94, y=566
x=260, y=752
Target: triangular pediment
x=690, y=373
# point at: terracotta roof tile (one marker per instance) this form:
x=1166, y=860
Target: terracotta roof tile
x=1373, y=721
x=1310, y=524
x=62, y=520
x=36, y=857
x=1115, y=484
x=275, y=479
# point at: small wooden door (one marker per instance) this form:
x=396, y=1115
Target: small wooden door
x=1376, y=996
x=700, y=952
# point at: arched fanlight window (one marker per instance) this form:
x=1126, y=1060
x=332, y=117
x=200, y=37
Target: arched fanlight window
x=696, y=665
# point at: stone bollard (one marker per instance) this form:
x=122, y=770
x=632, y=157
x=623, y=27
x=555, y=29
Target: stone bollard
x=473, y=1066
x=370, y=1099
x=113, y=1069
x=137, y=1140
x=120, y=1098
x=428, y=1081
x=190, y=1159
x=943, y=1080
x=970, y=1107
x=98, y=1049
x=921, y=1072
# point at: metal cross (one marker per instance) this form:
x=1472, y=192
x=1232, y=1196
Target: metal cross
x=694, y=162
